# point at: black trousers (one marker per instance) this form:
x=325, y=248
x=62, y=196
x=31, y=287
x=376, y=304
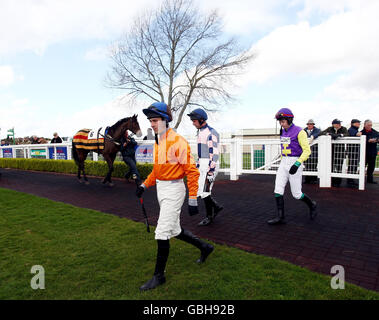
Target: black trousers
x=370, y=162
x=132, y=164
x=338, y=155
x=353, y=154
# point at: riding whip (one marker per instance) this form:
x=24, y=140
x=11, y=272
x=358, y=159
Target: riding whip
x=145, y=215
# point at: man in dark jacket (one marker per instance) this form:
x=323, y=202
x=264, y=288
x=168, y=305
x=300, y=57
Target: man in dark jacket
x=311, y=164
x=128, y=146
x=338, y=150
x=56, y=139
x=353, y=152
x=372, y=138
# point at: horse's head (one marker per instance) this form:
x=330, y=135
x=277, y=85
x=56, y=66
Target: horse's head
x=132, y=125
x=122, y=125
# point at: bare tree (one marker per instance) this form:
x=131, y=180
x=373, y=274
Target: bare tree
x=179, y=56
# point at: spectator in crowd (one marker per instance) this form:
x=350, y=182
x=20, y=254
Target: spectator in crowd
x=353, y=152
x=128, y=149
x=338, y=150
x=35, y=140
x=311, y=164
x=372, y=138
x=56, y=139
x=150, y=135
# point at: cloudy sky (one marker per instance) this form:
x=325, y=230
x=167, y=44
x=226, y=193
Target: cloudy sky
x=319, y=57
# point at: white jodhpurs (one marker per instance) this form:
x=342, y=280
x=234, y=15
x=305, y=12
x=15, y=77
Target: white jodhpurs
x=171, y=195
x=283, y=175
x=205, y=188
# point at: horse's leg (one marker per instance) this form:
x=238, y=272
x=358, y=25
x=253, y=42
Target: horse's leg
x=79, y=163
x=84, y=173
x=112, y=157
x=79, y=170
x=82, y=155
x=79, y=177
x=109, y=158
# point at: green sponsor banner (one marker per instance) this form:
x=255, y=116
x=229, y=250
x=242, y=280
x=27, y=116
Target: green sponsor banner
x=38, y=153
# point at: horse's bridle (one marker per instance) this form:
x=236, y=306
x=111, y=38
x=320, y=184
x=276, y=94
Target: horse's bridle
x=110, y=138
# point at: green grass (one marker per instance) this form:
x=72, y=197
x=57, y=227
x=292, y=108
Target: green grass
x=91, y=255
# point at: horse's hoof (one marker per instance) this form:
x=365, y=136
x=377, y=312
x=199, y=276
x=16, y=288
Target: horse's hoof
x=87, y=183
x=80, y=181
x=111, y=184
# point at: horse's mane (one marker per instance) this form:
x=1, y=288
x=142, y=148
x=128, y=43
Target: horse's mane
x=119, y=122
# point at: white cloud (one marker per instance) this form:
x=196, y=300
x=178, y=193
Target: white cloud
x=7, y=76
x=29, y=119
x=324, y=111
x=96, y=54
x=325, y=7
x=246, y=16
x=360, y=85
x=36, y=24
x=346, y=42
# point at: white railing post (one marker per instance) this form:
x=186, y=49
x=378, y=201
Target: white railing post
x=251, y=146
x=95, y=156
x=362, y=162
x=268, y=156
x=239, y=156
x=69, y=152
x=14, y=152
x=233, y=159
x=325, y=161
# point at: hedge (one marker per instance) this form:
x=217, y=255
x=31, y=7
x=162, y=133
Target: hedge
x=93, y=168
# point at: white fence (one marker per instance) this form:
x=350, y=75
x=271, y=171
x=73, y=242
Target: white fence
x=342, y=158
x=330, y=158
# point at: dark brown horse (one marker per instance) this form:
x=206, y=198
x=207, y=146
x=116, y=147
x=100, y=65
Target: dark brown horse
x=107, y=145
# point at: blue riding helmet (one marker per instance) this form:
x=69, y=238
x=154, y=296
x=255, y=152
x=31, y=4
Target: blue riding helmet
x=158, y=109
x=198, y=114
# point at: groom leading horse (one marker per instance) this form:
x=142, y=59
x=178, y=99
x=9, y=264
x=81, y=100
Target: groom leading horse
x=108, y=144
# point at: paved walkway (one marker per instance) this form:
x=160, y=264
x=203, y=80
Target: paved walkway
x=346, y=231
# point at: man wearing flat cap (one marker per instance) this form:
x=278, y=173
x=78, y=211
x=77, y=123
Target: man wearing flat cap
x=353, y=152
x=56, y=139
x=338, y=150
x=311, y=164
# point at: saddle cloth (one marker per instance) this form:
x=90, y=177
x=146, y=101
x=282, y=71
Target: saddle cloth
x=89, y=139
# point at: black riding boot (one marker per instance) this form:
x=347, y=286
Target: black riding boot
x=162, y=256
x=209, y=212
x=280, y=206
x=216, y=206
x=205, y=248
x=312, y=205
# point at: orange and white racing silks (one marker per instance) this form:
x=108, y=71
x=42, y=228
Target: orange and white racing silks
x=172, y=161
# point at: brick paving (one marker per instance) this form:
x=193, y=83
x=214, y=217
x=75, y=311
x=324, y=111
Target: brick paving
x=345, y=232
